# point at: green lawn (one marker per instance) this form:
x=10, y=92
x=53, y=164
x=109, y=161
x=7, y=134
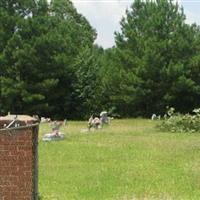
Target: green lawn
x=128, y=160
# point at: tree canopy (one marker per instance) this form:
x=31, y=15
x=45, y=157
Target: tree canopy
x=41, y=43
x=156, y=49
x=50, y=65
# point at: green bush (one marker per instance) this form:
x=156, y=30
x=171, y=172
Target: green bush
x=176, y=122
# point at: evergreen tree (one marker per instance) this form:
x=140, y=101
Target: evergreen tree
x=38, y=57
x=87, y=93
x=154, y=50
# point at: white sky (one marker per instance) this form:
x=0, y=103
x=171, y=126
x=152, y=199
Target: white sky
x=105, y=15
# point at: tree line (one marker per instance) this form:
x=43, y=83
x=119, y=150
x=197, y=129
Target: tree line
x=51, y=67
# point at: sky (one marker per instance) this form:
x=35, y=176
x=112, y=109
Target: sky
x=105, y=15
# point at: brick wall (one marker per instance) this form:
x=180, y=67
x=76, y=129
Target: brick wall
x=17, y=164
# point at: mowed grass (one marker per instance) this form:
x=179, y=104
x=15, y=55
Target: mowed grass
x=127, y=160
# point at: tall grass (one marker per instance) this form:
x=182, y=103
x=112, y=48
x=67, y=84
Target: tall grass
x=126, y=160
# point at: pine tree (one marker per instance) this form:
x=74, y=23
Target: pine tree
x=154, y=47
x=38, y=56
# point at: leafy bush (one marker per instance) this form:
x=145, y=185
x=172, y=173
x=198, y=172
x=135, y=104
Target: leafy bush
x=176, y=122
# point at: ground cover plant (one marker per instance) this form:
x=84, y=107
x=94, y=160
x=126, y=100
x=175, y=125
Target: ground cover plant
x=177, y=122
x=127, y=160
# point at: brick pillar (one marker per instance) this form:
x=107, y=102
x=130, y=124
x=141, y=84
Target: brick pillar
x=18, y=163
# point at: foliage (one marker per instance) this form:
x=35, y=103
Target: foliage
x=86, y=88
x=38, y=54
x=177, y=122
x=155, y=52
x=50, y=66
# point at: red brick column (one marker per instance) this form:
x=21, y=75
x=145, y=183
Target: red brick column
x=17, y=164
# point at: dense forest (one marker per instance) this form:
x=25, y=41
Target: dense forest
x=51, y=67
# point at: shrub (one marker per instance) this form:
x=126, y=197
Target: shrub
x=176, y=122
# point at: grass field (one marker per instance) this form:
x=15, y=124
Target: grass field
x=128, y=160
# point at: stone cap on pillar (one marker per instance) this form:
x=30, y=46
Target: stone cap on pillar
x=11, y=121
